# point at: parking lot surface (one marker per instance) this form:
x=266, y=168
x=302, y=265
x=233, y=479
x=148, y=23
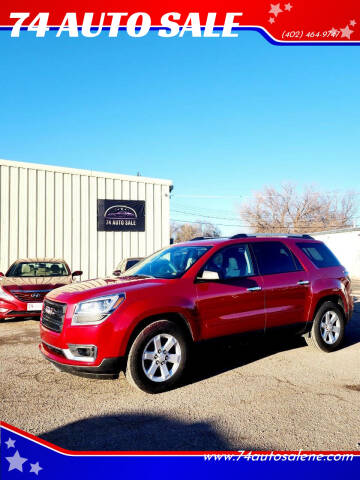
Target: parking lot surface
x=270, y=395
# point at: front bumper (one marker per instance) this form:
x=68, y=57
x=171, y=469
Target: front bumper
x=61, y=336
x=108, y=368
x=16, y=308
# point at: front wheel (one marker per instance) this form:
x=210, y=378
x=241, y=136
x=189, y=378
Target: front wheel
x=328, y=328
x=157, y=357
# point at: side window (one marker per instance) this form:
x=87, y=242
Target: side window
x=229, y=263
x=273, y=257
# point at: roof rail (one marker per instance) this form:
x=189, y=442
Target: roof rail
x=287, y=235
x=239, y=235
x=259, y=235
x=200, y=238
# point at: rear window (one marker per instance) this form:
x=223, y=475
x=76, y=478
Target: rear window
x=320, y=255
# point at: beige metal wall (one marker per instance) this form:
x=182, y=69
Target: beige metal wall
x=52, y=211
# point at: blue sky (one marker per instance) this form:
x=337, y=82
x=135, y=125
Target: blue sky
x=220, y=117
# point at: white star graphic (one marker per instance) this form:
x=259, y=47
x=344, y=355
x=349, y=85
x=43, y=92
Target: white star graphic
x=275, y=9
x=288, y=7
x=333, y=31
x=352, y=23
x=35, y=468
x=271, y=19
x=16, y=462
x=346, y=32
x=10, y=443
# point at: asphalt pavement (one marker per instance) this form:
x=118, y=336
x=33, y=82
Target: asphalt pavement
x=270, y=395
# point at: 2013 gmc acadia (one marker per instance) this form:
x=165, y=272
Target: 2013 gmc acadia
x=146, y=320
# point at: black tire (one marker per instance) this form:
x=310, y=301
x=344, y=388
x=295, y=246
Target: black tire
x=135, y=367
x=315, y=339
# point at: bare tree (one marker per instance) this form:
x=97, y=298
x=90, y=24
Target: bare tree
x=210, y=230
x=186, y=231
x=174, y=227
x=287, y=210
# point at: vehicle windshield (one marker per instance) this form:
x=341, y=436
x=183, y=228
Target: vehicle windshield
x=38, y=269
x=172, y=262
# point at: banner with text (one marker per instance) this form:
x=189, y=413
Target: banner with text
x=280, y=22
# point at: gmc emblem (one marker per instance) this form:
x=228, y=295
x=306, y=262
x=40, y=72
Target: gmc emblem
x=49, y=310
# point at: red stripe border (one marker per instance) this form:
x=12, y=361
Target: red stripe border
x=74, y=453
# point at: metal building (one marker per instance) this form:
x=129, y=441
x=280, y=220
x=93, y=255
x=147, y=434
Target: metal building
x=61, y=212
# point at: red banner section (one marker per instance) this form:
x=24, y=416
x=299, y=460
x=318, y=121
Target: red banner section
x=286, y=21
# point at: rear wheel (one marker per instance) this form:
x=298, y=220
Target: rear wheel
x=157, y=357
x=328, y=328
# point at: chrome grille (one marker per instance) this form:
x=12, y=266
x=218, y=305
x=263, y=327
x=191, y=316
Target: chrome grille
x=29, y=295
x=53, y=314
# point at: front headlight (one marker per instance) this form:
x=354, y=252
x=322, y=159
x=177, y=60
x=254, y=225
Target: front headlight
x=5, y=296
x=96, y=310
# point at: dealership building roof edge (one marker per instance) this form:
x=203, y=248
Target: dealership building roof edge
x=89, y=173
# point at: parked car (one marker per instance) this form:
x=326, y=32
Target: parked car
x=146, y=320
x=126, y=264
x=27, y=281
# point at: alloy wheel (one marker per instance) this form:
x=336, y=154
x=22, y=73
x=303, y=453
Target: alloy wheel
x=330, y=326
x=161, y=357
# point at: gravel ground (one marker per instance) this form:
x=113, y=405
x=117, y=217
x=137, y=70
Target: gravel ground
x=274, y=395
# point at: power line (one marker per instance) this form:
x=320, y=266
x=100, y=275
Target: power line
x=275, y=194
x=204, y=223
x=188, y=210
x=229, y=218
x=249, y=225
x=198, y=208
x=205, y=216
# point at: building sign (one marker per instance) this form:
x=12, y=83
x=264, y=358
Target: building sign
x=121, y=215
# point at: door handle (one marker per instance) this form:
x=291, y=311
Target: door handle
x=304, y=282
x=254, y=289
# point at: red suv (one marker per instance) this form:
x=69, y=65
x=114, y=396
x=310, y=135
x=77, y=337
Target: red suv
x=147, y=319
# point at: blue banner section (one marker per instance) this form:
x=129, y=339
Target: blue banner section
x=23, y=457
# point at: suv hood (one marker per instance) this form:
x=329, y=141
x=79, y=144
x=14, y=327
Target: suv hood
x=100, y=286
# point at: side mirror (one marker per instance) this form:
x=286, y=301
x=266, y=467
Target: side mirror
x=1, y=274
x=117, y=273
x=208, y=276
x=77, y=273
